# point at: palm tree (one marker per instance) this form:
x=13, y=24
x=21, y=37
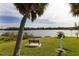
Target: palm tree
x=76, y=26
x=75, y=11
x=31, y=11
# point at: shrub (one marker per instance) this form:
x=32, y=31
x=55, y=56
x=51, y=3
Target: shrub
x=10, y=36
x=26, y=36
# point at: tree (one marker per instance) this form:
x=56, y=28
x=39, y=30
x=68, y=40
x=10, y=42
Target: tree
x=75, y=12
x=76, y=26
x=74, y=9
x=31, y=11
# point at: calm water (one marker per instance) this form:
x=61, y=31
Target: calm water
x=43, y=33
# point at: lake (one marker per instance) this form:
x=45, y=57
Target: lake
x=42, y=33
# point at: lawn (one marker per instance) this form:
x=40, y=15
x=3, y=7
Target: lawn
x=48, y=48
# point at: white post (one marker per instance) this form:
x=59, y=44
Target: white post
x=61, y=43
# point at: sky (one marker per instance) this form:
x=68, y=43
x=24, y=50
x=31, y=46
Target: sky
x=55, y=15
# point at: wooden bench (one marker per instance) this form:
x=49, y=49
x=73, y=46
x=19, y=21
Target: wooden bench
x=34, y=43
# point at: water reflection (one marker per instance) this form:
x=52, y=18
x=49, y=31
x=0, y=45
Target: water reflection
x=45, y=32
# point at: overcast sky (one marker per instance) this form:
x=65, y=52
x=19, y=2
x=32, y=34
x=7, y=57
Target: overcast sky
x=55, y=15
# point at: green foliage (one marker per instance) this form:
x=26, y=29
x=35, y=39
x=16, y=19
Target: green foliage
x=74, y=9
x=31, y=8
x=26, y=36
x=10, y=36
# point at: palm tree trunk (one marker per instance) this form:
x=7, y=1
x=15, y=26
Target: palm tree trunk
x=19, y=37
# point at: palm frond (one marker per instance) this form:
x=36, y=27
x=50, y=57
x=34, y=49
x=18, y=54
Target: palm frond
x=74, y=9
x=31, y=8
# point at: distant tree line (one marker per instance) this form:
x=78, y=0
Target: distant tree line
x=48, y=28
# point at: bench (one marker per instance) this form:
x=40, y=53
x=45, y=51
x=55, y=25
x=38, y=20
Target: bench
x=34, y=43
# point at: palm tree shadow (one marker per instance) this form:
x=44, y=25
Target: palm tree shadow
x=30, y=46
x=60, y=53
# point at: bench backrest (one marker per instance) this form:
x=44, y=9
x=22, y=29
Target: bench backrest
x=33, y=41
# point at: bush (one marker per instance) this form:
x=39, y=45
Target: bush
x=10, y=36
x=26, y=36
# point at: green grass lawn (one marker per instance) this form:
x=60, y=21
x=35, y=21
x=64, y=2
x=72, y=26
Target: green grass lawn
x=48, y=48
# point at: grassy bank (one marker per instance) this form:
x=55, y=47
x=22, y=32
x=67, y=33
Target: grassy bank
x=48, y=48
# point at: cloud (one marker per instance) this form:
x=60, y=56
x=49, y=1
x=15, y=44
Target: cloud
x=9, y=19
x=55, y=15
x=57, y=11
x=4, y=25
x=9, y=16
x=8, y=9
x=39, y=23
